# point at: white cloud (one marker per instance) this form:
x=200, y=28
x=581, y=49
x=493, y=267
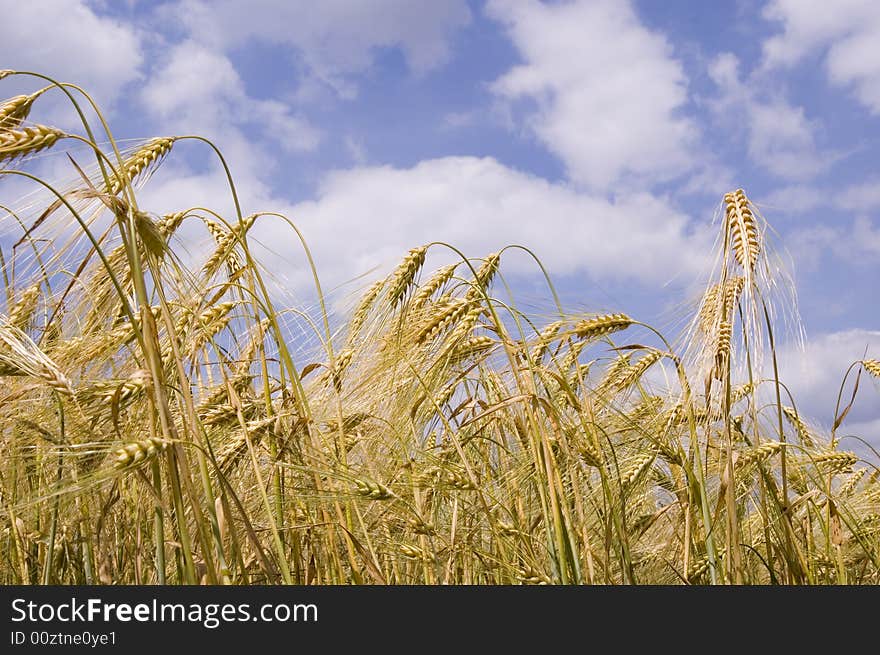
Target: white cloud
x=456, y=119
x=815, y=374
x=866, y=237
x=357, y=150
x=293, y=133
x=846, y=33
x=370, y=216
x=779, y=136
x=197, y=90
x=333, y=38
x=193, y=84
x=711, y=179
x=68, y=41
x=796, y=198
x=861, y=197
x=781, y=139
x=812, y=242
x=858, y=243
x=607, y=90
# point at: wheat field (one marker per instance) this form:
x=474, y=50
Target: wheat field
x=163, y=424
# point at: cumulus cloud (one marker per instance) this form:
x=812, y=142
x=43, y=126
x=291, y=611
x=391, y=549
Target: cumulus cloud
x=866, y=237
x=607, y=92
x=861, y=197
x=854, y=243
x=70, y=42
x=846, y=37
x=332, y=39
x=367, y=217
x=815, y=374
x=197, y=90
x=781, y=139
x=779, y=136
x=795, y=198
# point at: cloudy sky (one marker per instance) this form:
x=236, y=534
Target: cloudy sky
x=600, y=133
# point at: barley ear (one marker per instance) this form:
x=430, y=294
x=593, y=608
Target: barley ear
x=405, y=274
x=743, y=229
x=601, y=325
x=27, y=141
x=150, y=154
x=16, y=110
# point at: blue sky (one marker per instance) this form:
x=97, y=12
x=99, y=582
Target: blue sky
x=600, y=133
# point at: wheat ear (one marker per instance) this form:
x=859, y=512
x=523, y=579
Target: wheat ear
x=147, y=155
x=15, y=110
x=27, y=141
x=743, y=229
x=592, y=328
x=363, y=309
x=434, y=284
x=405, y=274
